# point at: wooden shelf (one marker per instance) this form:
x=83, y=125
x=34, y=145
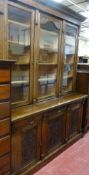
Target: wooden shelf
x=49, y=32
x=49, y=50
x=18, y=43
x=19, y=82
x=48, y=64
x=69, y=45
x=46, y=79
x=18, y=23
x=68, y=63
x=50, y=95
x=16, y=103
x=22, y=64
x=67, y=77
x=70, y=54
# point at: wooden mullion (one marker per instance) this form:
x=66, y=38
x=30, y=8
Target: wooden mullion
x=59, y=61
x=32, y=58
x=36, y=55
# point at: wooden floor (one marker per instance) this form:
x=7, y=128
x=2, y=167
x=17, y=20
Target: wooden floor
x=73, y=161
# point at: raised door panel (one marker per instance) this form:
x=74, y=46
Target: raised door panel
x=30, y=145
x=26, y=144
x=53, y=130
x=75, y=117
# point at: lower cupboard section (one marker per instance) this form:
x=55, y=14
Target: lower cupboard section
x=26, y=142
x=38, y=136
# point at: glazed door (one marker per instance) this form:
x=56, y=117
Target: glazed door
x=48, y=57
x=70, y=39
x=20, y=48
x=26, y=140
x=53, y=130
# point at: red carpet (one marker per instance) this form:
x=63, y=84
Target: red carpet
x=73, y=161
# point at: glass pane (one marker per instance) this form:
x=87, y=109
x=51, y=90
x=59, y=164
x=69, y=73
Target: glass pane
x=19, y=28
x=47, y=81
x=69, y=58
x=49, y=41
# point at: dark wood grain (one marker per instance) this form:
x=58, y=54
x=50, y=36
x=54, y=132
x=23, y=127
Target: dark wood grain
x=4, y=145
x=4, y=92
x=4, y=75
x=82, y=83
x=4, y=164
x=4, y=110
x=4, y=127
x=5, y=113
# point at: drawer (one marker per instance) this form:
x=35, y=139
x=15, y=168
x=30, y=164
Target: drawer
x=4, y=127
x=4, y=110
x=4, y=165
x=4, y=145
x=4, y=92
x=30, y=121
x=53, y=112
x=4, y=75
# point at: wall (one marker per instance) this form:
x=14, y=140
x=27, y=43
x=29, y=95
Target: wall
x=83, y=49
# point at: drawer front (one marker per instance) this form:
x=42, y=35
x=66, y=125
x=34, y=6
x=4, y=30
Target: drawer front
x=4, y=110
x=4, y=146
x=4, y=75
x=4, y=92
x=52, y=113
x=4, y=127
x=4, y=165
x=28, y=122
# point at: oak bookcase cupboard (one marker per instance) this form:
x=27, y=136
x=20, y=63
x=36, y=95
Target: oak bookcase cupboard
x=47, y=113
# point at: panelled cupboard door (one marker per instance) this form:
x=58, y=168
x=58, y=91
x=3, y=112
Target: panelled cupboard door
x=69, y=40
x=47, y=56
x=74, y=119
x=20, y=49
x=26, y=144
x=53, y=130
